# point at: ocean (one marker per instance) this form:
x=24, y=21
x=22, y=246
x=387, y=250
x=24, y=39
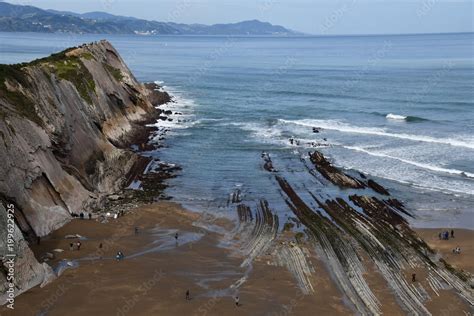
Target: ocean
x=399, y=108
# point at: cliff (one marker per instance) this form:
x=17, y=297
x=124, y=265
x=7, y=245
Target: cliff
x=66, y=123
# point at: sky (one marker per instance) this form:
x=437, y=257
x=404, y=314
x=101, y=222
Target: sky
x=321, y=17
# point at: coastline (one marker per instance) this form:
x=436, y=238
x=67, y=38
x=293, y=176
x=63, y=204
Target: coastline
x=344, y=246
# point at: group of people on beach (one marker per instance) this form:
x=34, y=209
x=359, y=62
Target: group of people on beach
x=82, y=215
x=445, y=235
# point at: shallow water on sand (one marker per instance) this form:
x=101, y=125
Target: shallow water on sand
x=400, y=108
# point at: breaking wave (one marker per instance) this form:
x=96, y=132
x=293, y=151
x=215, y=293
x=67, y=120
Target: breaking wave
x=414, y=163
x=397, y=117
x=347, y=128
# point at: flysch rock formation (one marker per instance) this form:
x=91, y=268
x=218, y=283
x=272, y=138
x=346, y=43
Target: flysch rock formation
x=66, y=123
x=346, y=228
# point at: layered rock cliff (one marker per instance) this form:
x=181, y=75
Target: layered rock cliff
x=66, y=122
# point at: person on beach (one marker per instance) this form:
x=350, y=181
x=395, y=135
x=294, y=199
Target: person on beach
x=71, y=246
x=136, y=230
x=119, y=256
x=90, y=216
x=413, y=277
x=100, y=246
x=188, y=297
x=81, y=215
x=236, y=299
x=440, y=235
x=78, y=244
x=452, y=233
x=176, y=237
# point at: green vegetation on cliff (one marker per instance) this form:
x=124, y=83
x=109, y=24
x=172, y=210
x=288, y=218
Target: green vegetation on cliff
x=116, y=73
x=73, y=70
x=23, y=104
x=14, y=80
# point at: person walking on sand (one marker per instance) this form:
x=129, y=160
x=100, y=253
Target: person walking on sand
x=90, y=216
x=188, y=297
x=452, y=233
x=237, y=301
x=413, y=277
x=78, y=244
x=176, y=237
x=71, y=246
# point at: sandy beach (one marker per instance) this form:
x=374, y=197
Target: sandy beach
x=157, y=271
x=463, y=238
x=156, y=282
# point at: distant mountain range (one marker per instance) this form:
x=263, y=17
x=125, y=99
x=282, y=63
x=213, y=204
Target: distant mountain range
x=19, y=18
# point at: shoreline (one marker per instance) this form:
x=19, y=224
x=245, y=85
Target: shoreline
x=344, y=246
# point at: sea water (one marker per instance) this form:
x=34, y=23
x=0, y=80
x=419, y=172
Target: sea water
x=399, y=108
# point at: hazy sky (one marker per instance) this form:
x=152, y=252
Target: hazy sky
x=310, y=16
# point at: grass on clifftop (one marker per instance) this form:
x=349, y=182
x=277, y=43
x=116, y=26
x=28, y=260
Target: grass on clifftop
x=65, y=67
x=73, y=70
x=70, y=68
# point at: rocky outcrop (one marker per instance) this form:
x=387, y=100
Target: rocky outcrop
x=333, y=174
x=66, y=122
x=353, y=234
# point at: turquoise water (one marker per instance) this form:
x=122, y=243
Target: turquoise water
x=399, y=108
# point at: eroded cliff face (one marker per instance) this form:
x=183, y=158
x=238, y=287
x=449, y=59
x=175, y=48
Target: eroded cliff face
x=65, y=125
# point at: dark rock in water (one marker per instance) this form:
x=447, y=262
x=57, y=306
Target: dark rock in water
x=362, y=175
x=235, y=197
x=315, y=130
x=268, y=165
x=163, y=118
x=168, y=112
x=377, y=187
x=170, y=119
x=156, y=96
x=333, y=174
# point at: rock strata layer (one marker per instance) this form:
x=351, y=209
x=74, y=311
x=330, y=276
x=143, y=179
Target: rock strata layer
x=66, y=125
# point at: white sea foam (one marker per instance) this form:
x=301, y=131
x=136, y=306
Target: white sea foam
x=346, y=128
x=179, y=104
x=396, y=117
x=413, y=163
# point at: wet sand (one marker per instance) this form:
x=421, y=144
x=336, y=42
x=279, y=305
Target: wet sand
x=157, y=271
x=155, y=283
x=463, y=238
